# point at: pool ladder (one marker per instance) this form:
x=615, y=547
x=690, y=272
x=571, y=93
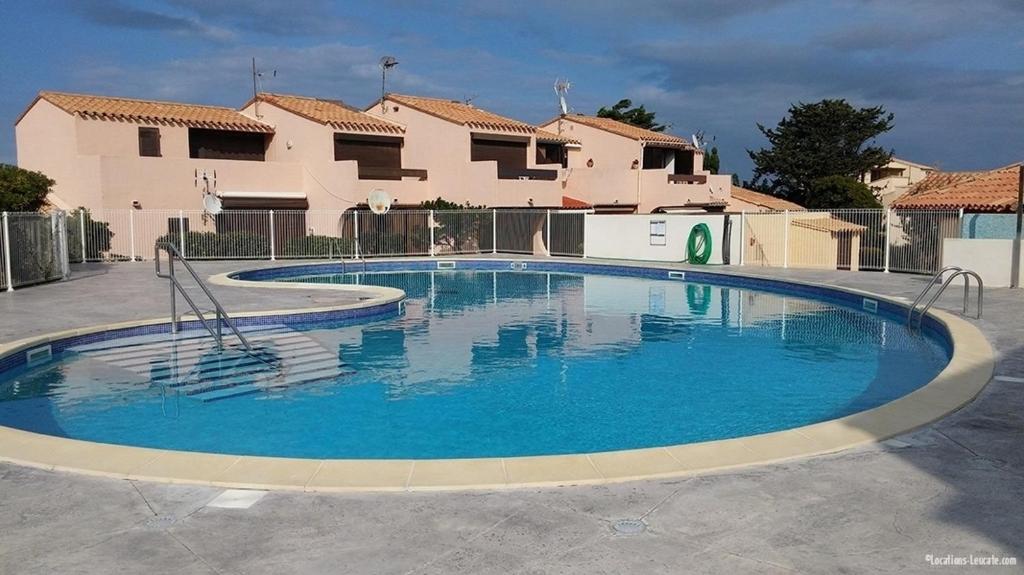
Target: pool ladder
x=937, y=280
x=221, y=316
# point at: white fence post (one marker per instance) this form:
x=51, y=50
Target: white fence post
x=547, y=239
x=181, y=231
x=430, y=224
x=65, y=257
x=785, y=241
x=81, y=230
x=7, y=254
x=131, y=230
x=494, y=231
x=743, y=237
x=355, y=227
x=888, y=243
x=272, y=258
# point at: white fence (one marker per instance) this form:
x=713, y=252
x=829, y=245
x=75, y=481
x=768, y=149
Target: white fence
x=866, y=240
x=32, y=248
x=36, y=247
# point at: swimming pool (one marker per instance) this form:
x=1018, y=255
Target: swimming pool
x=487, y=360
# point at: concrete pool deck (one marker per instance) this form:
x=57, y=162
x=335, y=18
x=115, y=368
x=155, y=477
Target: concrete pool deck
x=953, y=487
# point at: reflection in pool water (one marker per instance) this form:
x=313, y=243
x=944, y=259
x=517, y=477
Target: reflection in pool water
x=488, y=364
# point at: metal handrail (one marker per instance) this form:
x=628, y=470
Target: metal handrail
x=177, y=287
x=967, y=275
x=936, y=279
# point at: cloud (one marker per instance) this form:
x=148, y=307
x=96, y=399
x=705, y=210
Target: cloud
x=117, y=14
x=275, y=17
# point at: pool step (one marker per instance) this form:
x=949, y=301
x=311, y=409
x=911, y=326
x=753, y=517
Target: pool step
x=268, y=382
x=194, y=367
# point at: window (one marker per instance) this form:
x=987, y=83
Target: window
x=655, y=158
x=551, y=154
x=379, y=157
x=149, y=142
x=658, y=232
x=226, y=145
x=510, y=154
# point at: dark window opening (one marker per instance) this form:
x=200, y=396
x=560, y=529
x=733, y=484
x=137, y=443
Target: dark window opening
x=552, y=154
x=510, y=154
x=882, y=173
x=684, y=162
x=379, y=157
x=656, y=158
x=149, y=142
x=226, y=145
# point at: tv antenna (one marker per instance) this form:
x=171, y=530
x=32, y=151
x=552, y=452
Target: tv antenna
x=386, y=63
x=562, y=88
x=257, y=85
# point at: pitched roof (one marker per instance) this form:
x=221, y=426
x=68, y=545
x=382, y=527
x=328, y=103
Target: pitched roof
x=827, y=224
x=152, y=112
x=991, y=191
x=463, y=114
x=628, y=130
x=546, y=136
x=764, y=200
x=334, y=113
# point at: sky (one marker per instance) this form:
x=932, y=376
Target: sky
x=952, y=72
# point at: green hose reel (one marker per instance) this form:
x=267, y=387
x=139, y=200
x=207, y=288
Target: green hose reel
x=698, y=245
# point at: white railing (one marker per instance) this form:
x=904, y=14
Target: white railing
x=32, y=248
x=36, y=247
x=861, y=239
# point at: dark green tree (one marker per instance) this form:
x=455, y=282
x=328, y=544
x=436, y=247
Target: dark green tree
x=816, y=141
x=22, y=190
x=840, y=192
x=624, y=111
x=711, y=161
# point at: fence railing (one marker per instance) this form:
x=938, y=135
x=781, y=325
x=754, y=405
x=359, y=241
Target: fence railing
x=128, y=235
x=862, y=239
x=32, y=248
x=36, y=247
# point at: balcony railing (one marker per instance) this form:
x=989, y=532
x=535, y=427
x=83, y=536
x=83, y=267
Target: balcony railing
x=526, y=174
x=687, y=179
x=374, y=173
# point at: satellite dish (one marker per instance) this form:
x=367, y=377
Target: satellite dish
x=695, y=140
x=379, y=201
x=562, y=88
x=212, y=204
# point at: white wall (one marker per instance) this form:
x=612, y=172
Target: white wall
x=991, y=259
x=628, y=236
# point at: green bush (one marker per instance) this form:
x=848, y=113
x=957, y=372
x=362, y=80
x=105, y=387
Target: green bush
x=319, y=246
x=97, y=236
x=22, y=190
x=208, y=245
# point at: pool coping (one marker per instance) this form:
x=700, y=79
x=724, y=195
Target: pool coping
x=969, y=370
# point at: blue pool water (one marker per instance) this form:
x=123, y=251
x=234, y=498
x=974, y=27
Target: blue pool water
x=487, y=363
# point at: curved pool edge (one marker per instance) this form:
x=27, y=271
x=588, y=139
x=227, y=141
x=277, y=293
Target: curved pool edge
x=969, y=370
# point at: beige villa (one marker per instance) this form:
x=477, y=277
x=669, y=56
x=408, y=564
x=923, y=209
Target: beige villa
x=621, y=167
x=894, y=179
x=290, y=152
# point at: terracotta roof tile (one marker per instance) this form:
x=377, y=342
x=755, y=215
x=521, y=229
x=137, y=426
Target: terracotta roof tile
x=992, y=191
x=827, y=224
x=464, y=114
x=628, y=130
x=154, y=112
x=571, y=202
x=764, y=200
x=333, y=113
x=546, y=136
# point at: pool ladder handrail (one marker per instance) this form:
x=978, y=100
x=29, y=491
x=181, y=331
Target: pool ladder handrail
x=936, y=279
x=222, y=317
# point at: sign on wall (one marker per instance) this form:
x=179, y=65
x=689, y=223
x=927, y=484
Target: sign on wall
x=659, y=231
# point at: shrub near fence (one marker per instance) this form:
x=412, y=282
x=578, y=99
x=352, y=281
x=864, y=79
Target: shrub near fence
x=213, y=245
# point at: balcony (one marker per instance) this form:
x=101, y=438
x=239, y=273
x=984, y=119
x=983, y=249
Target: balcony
x=526, y=174
x=374, y=173
x=687, y=179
